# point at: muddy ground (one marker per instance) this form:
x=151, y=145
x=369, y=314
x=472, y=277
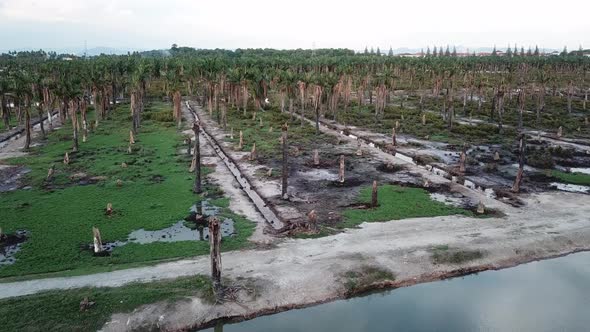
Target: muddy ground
x=317, y=187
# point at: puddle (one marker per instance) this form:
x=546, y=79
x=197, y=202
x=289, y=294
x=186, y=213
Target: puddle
x=448, y=200
x=582, y=170
x=193, y=228
x=573, y=188
x=10, y=245
x=10, y=177
x=318, y=175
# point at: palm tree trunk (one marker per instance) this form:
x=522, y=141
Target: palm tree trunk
x=27, y=128
x=5, y=112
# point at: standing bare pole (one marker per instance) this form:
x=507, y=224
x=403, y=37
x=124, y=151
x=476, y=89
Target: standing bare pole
x=215, y=251
x=197, y=158
x=285, y=173
x=521, y=157
x=374, y=201
x=341, y=170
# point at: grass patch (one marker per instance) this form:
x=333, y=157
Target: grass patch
x=60, y=213
x=358, y=280
x=573, y=178
x=445, y=255
x=397, y=202
x=60, y=311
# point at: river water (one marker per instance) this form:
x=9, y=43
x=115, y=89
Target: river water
x=549, y=295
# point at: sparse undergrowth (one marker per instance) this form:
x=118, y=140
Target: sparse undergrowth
x=60, y=310
x=360, y=279
x=446, y=255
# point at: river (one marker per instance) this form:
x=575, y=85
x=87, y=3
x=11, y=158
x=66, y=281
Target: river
x=549, y=295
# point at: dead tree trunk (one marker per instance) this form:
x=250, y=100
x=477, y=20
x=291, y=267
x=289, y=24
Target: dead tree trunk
x=341, y=170
x=27, y=128
x=393, y=137
x=374, y=201
x=285, y=173
x=215, y=251
x=74, y=118
x=521, y=161
x=462, y=161
x=197, y=158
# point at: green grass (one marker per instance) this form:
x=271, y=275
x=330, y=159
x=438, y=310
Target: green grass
x=60, y=214
x=573, y=178
x=60, y=310
x=397, y=202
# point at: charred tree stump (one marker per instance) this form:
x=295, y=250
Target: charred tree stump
x=197, y=159
x=393, y=136
x=341, y=170
x=374, y=201
x=521, y=161
x=215, y=251
x=285, y=172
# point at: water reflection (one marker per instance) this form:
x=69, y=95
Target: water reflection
x=551, y=295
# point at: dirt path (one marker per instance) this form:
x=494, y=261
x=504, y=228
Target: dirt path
x=238, y=200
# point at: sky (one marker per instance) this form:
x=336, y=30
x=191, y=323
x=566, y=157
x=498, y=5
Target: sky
x=230, y=24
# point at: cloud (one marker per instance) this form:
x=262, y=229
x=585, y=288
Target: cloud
x=266, y=23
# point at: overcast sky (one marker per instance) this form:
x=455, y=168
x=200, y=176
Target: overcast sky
x=150, y=24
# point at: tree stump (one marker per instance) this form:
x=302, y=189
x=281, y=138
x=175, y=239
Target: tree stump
x=341, y=170
x=252, y=156
x=374, y=201
x=393, y=136
x=97, y=241
x=359, y=150
x=215, y=251
x=423, y=119
x=312, y=219
x=316, y=157
x=496, y=156
x=109, y=209
x=480, y=208
x=241, y=142
x=50, y=172
x=66, y=159
x=462, y=160
x=559, y=132
x=131, y=138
